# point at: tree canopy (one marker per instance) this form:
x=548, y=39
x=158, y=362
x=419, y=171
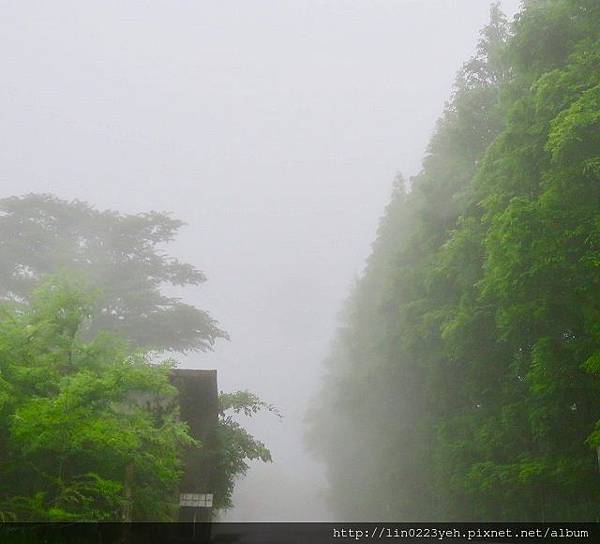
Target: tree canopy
x=88, y=429
x=121, y=255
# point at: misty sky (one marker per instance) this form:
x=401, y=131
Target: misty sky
x=273, y=128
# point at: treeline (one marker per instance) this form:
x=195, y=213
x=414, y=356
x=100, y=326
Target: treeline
x=464, y=383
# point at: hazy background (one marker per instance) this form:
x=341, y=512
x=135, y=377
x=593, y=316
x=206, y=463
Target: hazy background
x=273, y=128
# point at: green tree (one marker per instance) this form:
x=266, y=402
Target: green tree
x=235, y=445
x=88, y=430
x=122, y=255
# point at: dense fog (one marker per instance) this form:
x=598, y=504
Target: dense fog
x=274, y=130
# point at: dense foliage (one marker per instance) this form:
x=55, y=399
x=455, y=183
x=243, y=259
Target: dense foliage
x=121, y=255
x=464, y=383
x=88, y=430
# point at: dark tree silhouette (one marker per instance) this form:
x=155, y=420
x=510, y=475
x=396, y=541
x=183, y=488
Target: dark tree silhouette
x=121, y=255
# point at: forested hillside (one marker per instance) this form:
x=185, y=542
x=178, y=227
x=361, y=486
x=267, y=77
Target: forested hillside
x=464, y=382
